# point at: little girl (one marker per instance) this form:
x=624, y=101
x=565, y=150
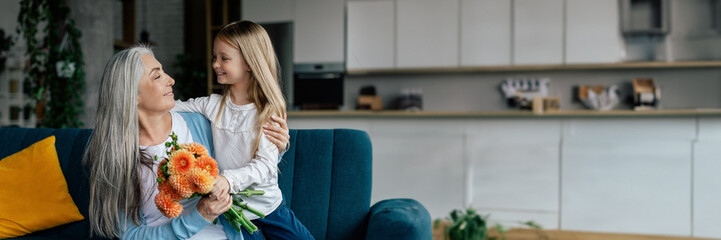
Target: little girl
x=245, y=63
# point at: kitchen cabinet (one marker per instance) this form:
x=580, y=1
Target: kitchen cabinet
x=319, y=31
x=370, y=35
x=268, y=11
x=485, y=30
x=706, y=185
x=314, y=123
x=537, y=32
x=592, y=32
x=425, y=165
x=706, y=179
x=627, y=176
x=427, y=33
x=623, y=186
x=514, y=173
x=639, y=175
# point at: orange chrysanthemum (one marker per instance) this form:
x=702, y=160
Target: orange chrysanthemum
x=167, y=206
x=180, y=162
x=207, y=163
x=187, y=171
x=195, y=148
x=181, y=185
x=201, y=180
x=166, y=188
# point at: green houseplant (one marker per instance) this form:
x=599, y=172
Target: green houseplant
x=470, y=225
x=54, y=75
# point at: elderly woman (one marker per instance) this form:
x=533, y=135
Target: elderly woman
x=133, y=122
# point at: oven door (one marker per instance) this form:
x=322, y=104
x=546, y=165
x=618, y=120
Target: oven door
x=313, y=91
x=318, y=86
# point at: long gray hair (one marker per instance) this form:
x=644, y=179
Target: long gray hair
x=113, y=153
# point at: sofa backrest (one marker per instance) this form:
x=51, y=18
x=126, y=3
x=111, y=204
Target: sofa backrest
x=325, y=177
x=70, y=144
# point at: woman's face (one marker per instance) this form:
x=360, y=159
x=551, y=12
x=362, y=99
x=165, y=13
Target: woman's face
x=156, y=87
x=228, y=64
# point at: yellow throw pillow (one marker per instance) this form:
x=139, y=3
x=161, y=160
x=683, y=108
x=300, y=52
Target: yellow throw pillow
x=33, y=192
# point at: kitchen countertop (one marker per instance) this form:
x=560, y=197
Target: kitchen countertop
x=507, y=114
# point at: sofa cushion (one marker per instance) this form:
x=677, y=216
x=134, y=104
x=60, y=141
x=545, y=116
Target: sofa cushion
x=35, y=194
x=70, y=145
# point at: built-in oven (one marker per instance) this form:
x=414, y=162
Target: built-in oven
x=318, y=86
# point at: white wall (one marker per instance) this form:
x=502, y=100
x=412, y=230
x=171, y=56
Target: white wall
x=92, y=18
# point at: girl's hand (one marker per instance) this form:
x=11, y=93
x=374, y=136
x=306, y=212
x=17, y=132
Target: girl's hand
x=278, y=135
x=210, y=208
x=220, y=188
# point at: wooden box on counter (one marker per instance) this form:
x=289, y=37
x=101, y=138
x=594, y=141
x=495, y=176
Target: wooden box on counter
x=369, y=103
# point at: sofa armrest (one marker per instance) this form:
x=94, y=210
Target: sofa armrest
x=399, y=219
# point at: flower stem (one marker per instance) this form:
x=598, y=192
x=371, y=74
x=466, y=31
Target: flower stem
x=239, y=217
x=248, y=192
x=232, y=223
x=248, y=223
x=256, y=212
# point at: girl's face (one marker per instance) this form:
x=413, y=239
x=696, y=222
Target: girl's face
x=156, y=87
x=229, y=65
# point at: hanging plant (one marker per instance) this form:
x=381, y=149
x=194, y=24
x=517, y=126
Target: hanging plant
x=54, y=75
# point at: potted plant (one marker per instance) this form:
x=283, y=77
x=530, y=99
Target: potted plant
x=470, y=225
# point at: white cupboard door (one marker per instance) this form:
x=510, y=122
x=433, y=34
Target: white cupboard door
x=592, y=32
x=427, y=33
x=370, y=35
x=639, y=186
x=425, y=165
x=319, y=31
x=706, y=193
x=706, y=179
x=514, y=170
x=537, y=32
x=485, y=33
x=268, y=11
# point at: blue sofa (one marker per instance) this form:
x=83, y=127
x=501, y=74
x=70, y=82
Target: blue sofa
x=325, y=177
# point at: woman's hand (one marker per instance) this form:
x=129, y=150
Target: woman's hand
x=278, y=135
x=210, y=208
x=220, y=188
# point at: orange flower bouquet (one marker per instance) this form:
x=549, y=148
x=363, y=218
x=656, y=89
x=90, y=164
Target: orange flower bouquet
x=190, y=172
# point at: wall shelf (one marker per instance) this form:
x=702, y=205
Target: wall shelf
x=520, y=68
x=508, y=114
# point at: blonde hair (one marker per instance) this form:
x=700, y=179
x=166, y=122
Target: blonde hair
x=113, y=152
x=263, y=88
